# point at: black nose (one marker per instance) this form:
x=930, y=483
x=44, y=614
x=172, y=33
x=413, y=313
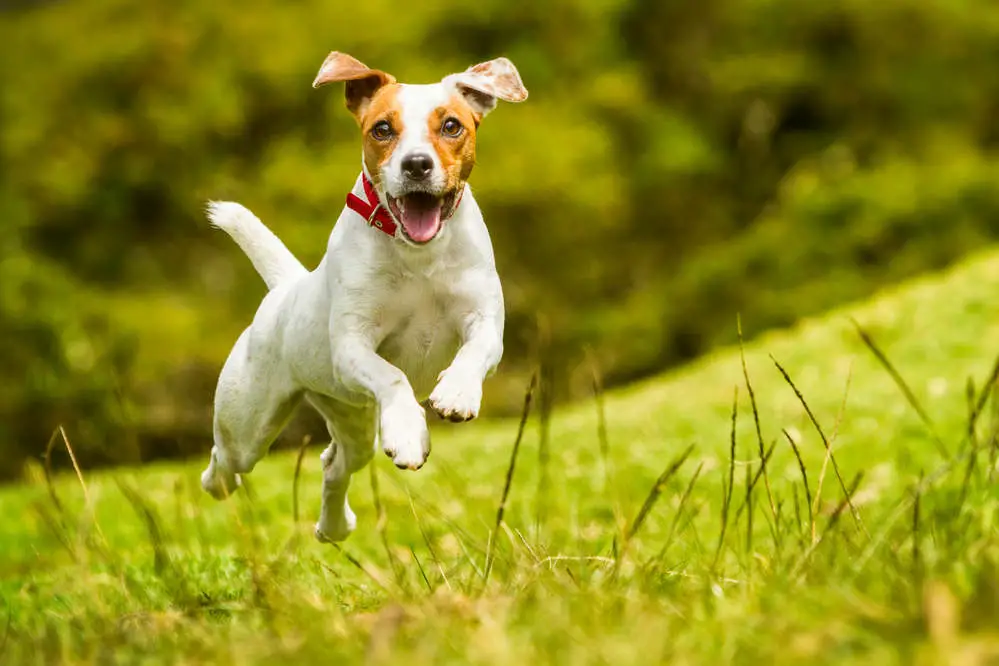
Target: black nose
x=417, y=166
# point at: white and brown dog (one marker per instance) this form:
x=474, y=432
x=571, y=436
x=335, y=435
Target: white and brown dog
x=405, y=304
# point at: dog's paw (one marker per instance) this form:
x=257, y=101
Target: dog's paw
x=337, y=528
x=220, y=482
x=405, y=437
x=456, y=396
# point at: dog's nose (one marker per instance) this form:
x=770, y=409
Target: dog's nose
x=417, y=166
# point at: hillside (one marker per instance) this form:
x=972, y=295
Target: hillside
x=153, y=568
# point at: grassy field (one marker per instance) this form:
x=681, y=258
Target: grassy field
x=620, y=544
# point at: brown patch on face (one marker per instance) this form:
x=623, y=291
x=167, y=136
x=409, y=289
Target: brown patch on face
x=456, y=153
x=383, y=108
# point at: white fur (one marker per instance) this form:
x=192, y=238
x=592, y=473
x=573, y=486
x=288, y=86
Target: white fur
x=376, y=327
x=417, y=103
x=266, y=251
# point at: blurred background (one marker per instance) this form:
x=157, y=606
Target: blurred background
x=678, y=163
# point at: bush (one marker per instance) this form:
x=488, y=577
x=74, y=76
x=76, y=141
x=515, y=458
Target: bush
x=677, y=164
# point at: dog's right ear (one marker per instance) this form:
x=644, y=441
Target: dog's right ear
x=362, y=81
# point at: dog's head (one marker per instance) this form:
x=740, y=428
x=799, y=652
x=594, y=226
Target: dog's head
x=419, y=140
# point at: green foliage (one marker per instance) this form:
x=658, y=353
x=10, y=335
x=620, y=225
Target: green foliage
x=60, y=359
x=676, y=164
x=144, y=566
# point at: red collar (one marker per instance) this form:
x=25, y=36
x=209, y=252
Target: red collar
x=374, y=213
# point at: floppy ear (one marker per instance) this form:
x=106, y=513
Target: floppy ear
x=481, y=85
x=362, y=81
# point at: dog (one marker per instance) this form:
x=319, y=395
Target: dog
x=406, y=305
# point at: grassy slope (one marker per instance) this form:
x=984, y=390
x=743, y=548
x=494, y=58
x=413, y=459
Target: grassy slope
x=178, y=576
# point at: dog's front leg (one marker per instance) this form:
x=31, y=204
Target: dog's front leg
x=458, y=393
x=402, y=423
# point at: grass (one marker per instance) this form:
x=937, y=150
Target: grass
x=645, y=530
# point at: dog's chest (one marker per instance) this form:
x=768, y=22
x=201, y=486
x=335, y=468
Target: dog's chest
x=421, y=334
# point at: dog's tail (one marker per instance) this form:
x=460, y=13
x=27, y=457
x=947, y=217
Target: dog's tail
x=267, y=253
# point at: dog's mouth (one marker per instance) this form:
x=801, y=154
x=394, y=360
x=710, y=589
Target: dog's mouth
x=422, y=214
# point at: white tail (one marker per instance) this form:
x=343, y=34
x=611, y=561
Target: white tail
x=267, y=253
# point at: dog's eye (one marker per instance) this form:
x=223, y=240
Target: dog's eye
x=452, y=127
x=382, y=130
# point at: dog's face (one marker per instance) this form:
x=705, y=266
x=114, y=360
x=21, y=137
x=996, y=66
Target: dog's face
x=419, y=140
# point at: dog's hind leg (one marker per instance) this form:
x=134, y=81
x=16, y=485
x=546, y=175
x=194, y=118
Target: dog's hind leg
x=253, y=403
x=349, y=451
x=336, y=518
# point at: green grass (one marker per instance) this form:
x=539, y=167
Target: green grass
x=152, y=570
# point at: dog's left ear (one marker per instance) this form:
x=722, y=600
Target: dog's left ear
x=481, y=85
x=362, y=81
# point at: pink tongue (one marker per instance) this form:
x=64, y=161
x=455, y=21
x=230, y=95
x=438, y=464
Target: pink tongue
x=422, y=224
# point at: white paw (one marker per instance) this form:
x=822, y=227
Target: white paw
x=404, y=434
x=336, y=528
x=456, y=396
x=220, y=484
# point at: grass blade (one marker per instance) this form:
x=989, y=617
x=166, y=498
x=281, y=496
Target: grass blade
x=650, y=501
x=679, y=511
x=423, y=573
x=804, y=480
x=833, y=521
x=426, y=540
x=376, y=578
x=509, y=478
x=902, y=386
x=161, y=559
x=381, y=525
x=825, y=443
x=972, y=439
x=917, y=567
x=748, y=502
x=845, y=502
x=727, y=492
x=814, y=508
x=546, y=401
x=751, y=483
x=987, y=389
x=756, y=417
